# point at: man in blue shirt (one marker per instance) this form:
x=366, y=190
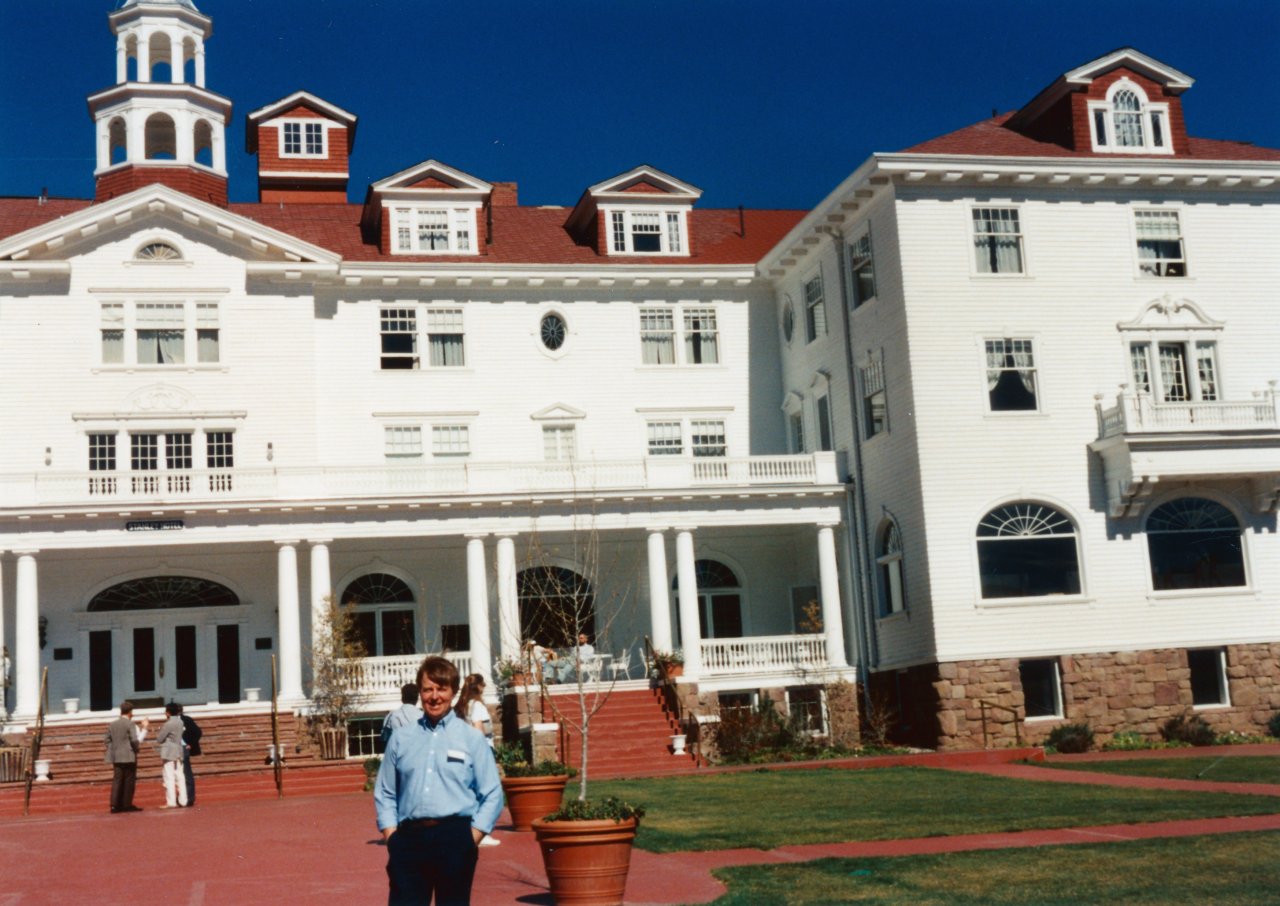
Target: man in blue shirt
x=437, y=795
x=409, y=712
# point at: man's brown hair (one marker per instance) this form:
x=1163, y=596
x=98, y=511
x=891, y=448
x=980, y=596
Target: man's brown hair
x=440, y=671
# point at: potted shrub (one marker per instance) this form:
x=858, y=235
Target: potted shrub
x=668, y=664
x=532, y=790
x=335, y=680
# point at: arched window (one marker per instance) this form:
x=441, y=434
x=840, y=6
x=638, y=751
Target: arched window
x=1128, y=119
x=118, y=141
x=719, y=600
x=163, y=593
x=158, y=251
x=161, y=137
x=1194, y=543
x=889, y=561
x=1027, y=550
x=203, y=143
x=384, y=614
x=556, y=604
x=161, y=57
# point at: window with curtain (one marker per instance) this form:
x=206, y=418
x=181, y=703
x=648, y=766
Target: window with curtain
x=1194, y=543
x=1160, y=252
x=665, y=438
x=658, y=336
x=815, y=312
x=707, y=437
x=161, y=333
x=1127, y=112
x=1182, y=370
x=1011, y=375
x=862, y=270
x=207, y=330
x=444, y=337
x=875, y=402
x=997, y=240
x=701, y=339
x=1027, y=550
x=1129, y=123
x=647, y=232
x=432, y=230
x=112, y=333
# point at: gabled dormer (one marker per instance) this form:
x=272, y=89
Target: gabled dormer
x=1124, y=102
x=304, y=148
x=430, y=209
x=642, y=212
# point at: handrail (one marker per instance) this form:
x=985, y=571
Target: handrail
x=670, y=695
x=983, y=705
x=36, y=740
x=277, y=760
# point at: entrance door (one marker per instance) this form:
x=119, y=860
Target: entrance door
x=165, y=656
x=101, y=695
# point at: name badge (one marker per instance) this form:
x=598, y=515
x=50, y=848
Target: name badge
x=456, y=757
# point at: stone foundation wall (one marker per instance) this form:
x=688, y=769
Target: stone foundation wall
x=1125, y=691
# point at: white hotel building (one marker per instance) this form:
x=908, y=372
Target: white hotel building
x=976, y=407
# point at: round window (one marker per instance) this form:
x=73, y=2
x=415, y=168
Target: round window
x=788, y=318
x=552, y=331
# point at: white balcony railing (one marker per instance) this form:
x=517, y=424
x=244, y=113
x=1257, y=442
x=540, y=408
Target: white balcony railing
x=764, y=654
x=323, y=483
x=381, y=677
x=1139, y=413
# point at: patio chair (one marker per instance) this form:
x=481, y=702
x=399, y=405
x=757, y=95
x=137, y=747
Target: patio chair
x=621, y=664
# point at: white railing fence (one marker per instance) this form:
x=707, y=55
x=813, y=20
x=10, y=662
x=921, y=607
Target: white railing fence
x=378, y=677
x=1138, y=412
x=764, y=654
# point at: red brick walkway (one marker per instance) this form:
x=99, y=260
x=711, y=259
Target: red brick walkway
x=324, y=850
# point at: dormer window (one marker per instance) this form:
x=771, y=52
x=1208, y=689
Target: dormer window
x=647, y=232
x=302, y=139
x=1126, y=123
x=432, y=230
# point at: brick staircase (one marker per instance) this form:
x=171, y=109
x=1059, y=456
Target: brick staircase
x=630, y=735
x=232, y=766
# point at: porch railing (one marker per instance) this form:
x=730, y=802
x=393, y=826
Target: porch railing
x=1139, y=413
x=41, y=489
x=378, y=677
x=764, y=654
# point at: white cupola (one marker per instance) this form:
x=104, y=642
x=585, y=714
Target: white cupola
x=159, y=123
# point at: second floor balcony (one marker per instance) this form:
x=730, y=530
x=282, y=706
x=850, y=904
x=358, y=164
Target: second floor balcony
x=452, y=479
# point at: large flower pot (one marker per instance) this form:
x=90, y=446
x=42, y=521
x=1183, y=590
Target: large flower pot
x=586, y=861
x=533, y=797
x=671, y=671
x=333, y=743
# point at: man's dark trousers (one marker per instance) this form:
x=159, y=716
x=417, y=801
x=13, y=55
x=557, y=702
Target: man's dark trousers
x=439, y=859
x=124, y=777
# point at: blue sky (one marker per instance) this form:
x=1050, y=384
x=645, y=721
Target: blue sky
x=767, y=104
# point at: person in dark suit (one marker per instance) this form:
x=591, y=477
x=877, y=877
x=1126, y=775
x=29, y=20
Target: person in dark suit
x=191, y=734
x=123, y=740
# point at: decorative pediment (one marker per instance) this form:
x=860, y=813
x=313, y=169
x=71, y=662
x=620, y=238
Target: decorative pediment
x=1174, y=81
x=291, y=104
x=791, y=403
x=646, y=180
x=159, y=401
x=1168, y=313
x=432, y=179
x=558, y=412
x=160, y=206
x=159, y=398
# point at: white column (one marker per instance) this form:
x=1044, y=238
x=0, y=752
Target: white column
x=175, y=59
x=144, y=57
x=184, y=136
x=200, y=64
x=219, y=147
x=659, y=595
x=26, y=639
x=478, y=609
x=136, y=126
x=690, y=628
x=289, y=662
x=122, y=61
x=829, y=589
x=321, y=587
x=508, y=602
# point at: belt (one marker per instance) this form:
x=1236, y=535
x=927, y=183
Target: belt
x=432, y=822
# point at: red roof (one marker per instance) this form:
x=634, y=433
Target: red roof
x=521, y=235
x=990, y=138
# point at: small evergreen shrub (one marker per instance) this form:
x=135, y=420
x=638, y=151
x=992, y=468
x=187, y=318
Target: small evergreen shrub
x=743, y=734
x=1190, y=729
x=609, y=808
x=1071, y=738
x=1127, y=741
x=1273, y=725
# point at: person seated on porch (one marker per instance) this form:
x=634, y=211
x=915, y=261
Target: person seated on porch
x=584, y=657
x=541, y=661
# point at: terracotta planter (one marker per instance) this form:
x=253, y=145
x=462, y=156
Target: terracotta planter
x=333, y=743
x=671, y=671
x=533, y=797
x=586, y=861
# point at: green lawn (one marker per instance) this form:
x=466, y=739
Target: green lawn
x=766, y=809
x=1224, y=870
x=1227, y=768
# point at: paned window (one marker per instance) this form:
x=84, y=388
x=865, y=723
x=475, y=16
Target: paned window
x=822, y=408
x=303, y=140
x=432, y=231
x=112, y=333
x=444, y=337
x=102, y=458
x=1041, y=687
x=889, y=561
x=220, y=458
x=159, y=333
x=1027, y=550
x=875, y=403
x=1127, y=123
x=1183, y=371
x=997, y=241
x=700, y=337
x=1160, y=252
x=399, y=328
x=634, y=232
x=1194, y=543
x=450, y=440
x=403, y=441
x=665, y=438
x=807, y=710
x=207, y=332
x=559, y=443
x=815, y=312
x=658, y=336
x=384, y=609
x=707, y=437
x=1208, y=668
x=795, y=426
x=1011, y=375
x=862, y=270
x=552, y=331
